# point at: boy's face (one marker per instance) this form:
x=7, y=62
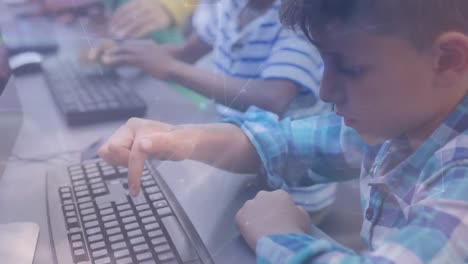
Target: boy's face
x=380, y=84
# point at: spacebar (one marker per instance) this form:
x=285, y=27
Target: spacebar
x=179, y=238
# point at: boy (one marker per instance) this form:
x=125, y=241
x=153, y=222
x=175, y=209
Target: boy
x=397, y=72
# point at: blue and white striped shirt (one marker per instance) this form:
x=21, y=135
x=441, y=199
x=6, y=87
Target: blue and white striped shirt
x=263, y=49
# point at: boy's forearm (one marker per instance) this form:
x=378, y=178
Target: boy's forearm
x=224, y=146
x=189, y=51
x=271, y=95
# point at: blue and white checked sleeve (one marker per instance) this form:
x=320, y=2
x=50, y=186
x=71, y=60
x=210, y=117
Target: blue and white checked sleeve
x=302, y=152
x=435, y=231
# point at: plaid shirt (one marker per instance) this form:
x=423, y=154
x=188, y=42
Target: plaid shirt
x=415, y=203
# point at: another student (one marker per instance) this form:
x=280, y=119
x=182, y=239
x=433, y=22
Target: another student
x=256, y=61
x=397, y=72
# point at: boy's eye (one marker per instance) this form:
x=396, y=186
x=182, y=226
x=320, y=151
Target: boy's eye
x=353, y=72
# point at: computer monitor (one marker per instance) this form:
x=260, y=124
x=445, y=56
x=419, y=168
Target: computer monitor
x=11, y=113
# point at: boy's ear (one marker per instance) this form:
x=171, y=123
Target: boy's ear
x=451, y=60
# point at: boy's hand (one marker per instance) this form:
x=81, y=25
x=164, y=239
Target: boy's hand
x=138, y=18
x=133, y=142
x=145, y=54
x=271, y=213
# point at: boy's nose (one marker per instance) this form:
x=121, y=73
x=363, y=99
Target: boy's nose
x=331, y=90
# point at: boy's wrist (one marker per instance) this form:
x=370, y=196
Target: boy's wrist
x=175, y=70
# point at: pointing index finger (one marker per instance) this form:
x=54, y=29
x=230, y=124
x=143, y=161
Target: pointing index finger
x=136, y=164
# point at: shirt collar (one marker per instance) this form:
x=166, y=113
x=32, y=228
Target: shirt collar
x=402, y=179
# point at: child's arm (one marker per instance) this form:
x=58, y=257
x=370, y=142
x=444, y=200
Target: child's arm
x=272, y=95
x=435, y=231
x=220, y=145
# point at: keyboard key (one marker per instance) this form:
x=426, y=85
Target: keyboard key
x=113, y=231
x=156, y=196
x=137, y=240
x=82, y=193
x=78, y=252
x=160, y=204
x=99, y=253
x=105, y=260
x=77, y=244
x=152, y=189
x=83, y=199
x=70, y=214
x=155, y=233
x=158, y=240
x=149, y=219
x=88, y=211
x=166, y=256
x=118, y=245
x=76, y=237
x=126, y=213
x=164, y=211
x=162, y=248
x=95, y=238
x=134, y=233
x=97, y=245
x=85, y=205
x=99, y=191
x=152, y=226
x=107, y=218
x=111, y=224
x=93, y=231
x=122, y=253
x=148, y=183
x=97, y=185
x=131, y=226
x=123, y=207
x=129, y=219
x=144, y=256
x=145, y=213
x=91, y=224
x=149, y=261
x=142, y=207
x=140, y=248
x=102, y=206
x=89, y=218
x=107, y=211
x=69, y=207
x=124, y=261
x=116, y=238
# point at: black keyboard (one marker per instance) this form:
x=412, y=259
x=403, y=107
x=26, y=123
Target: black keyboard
x=93, y=220
x=32, y=34
x=89, y=95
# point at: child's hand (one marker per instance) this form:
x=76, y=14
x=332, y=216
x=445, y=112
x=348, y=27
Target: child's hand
x=138, y=18
x=145, y=54
x=271, y=213
x=94, y=54
x=133, y=142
